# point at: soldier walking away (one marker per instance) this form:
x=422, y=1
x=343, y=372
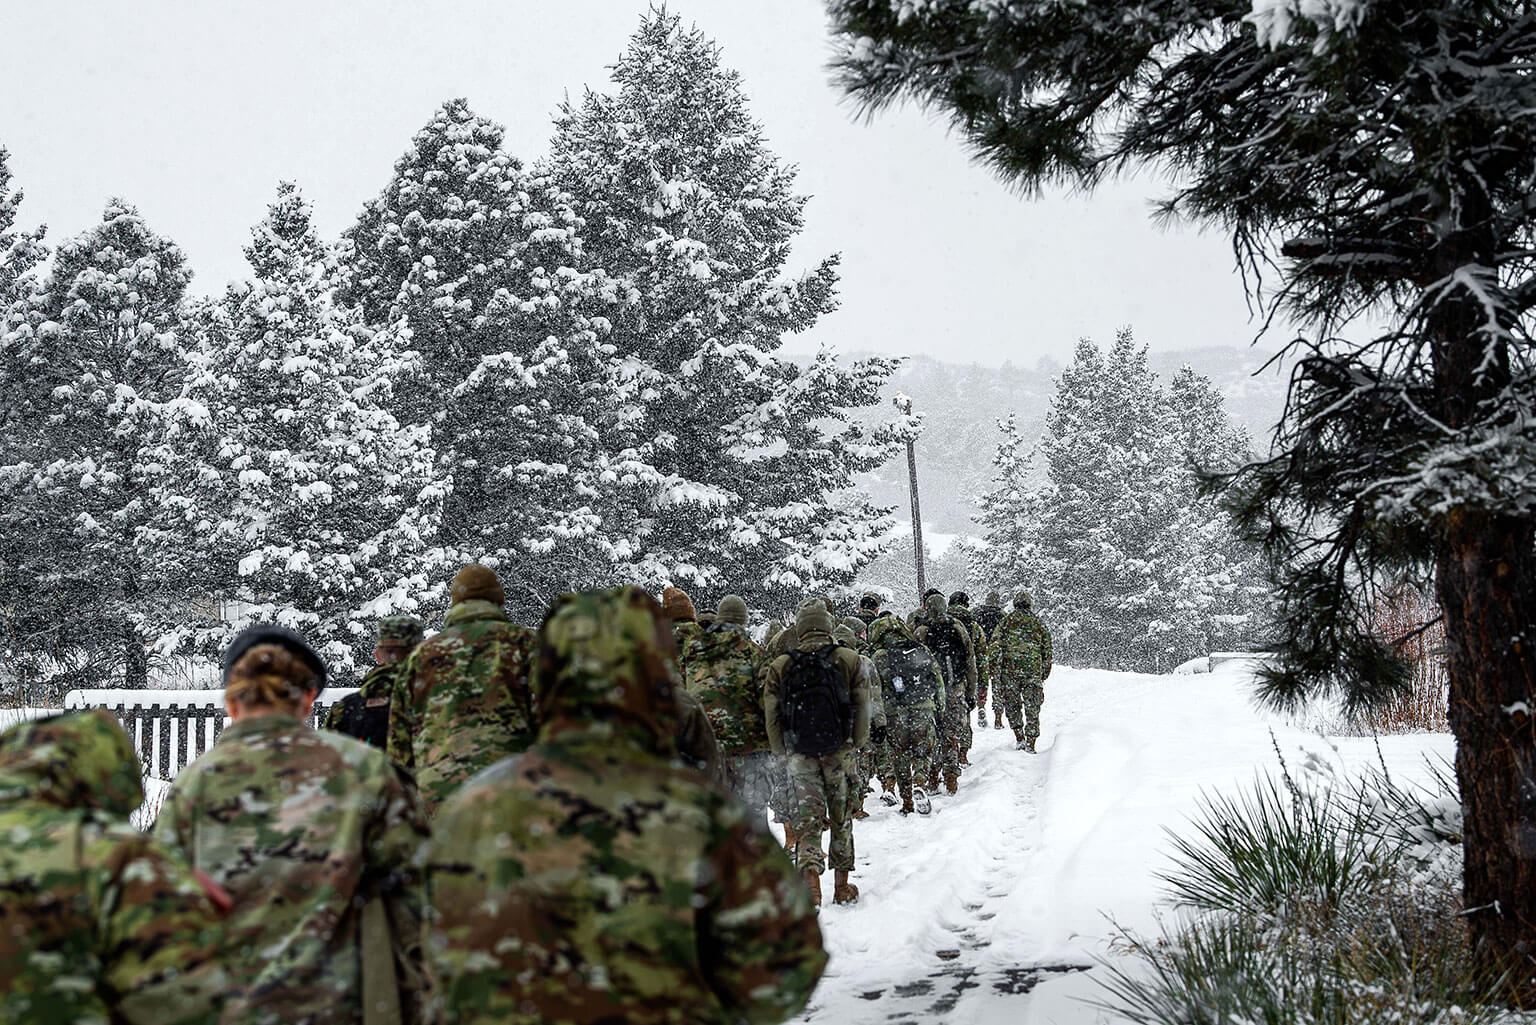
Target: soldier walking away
x=865, y=759
x=685, y=622
x=912, y=688
x=591, y=879
x=364, y=715
x=101, y=922
x=987, y=616
x=722, y=674
x=316, y=837
x=463, y=698
x=869, y=607
x=1021, y=655
x=947, y=639
x=817, y=713
x=960, y=611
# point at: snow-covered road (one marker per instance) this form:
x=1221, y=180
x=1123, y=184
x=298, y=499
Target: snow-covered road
x=981, y=912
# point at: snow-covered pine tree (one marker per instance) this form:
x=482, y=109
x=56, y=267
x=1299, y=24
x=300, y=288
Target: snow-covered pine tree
x=1130, y=568
x=102, y=372
x=27, y=634
x=1007, y=514
x=1375, y=161
x=466, y=266
x=1217, y=579
x=729, y=458
x=311, y=505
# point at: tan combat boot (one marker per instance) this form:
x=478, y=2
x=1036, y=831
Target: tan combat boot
x=997, y=723
x=859, y=812
x=1029, y=744
x=951, y=782
x=813, y=884
x=888, y=791
x=933, y=780
x=790, y=840
x=844, y=892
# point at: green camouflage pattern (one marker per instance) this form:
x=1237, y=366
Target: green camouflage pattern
x=954, y=722
x=912, y=730
x=697, y=747
x=913, y=742
x=1021, y=655
x=463, y=699
x=820, y=789
x=402, y=630
x=986, y=617
x=101, y=923
x=591, y=878
x=721, y=671
x=302, y=827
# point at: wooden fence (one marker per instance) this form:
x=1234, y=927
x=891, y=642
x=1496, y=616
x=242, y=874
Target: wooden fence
x=170, y=728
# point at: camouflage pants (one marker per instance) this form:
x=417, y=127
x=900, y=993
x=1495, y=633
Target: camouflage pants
x=954, y=733
x=820, y=787
x=981, y=690
x=913, y=740
x=761, y=782
x=862, y=766
x=1021, y=703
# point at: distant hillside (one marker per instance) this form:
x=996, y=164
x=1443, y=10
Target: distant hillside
x=963, y=403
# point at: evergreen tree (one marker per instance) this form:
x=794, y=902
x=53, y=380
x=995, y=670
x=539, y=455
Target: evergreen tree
x=1376, y=159
x=100, y=374
x=725, y=460
x=28, y=636
x=467, y=268
x=1133, y=570
x=312, y=505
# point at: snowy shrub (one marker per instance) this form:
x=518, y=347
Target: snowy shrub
x=1313, y=901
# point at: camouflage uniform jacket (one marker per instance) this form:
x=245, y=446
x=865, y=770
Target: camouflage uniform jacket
x=302, y=827
x=684, y=633
x=98, y=922
x=1021, y=647
x=967, y=620
x=773, y=690
x=592, y=879
x=871, y=683
x=463, y=699
x=365, y=714
x=721, y=671
x=697, y=745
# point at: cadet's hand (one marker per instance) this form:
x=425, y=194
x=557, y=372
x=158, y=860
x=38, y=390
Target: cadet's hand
x=877, y=734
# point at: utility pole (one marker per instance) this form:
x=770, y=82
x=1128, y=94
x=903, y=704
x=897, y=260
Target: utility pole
x=903, y=404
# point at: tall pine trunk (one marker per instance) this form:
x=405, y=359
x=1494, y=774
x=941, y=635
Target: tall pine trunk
x=1485, y=578
x=1486, y=581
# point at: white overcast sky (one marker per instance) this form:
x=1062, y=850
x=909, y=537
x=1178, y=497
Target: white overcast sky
x=194, y=110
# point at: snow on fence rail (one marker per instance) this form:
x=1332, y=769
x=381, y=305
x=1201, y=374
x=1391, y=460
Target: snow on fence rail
x=170, y=728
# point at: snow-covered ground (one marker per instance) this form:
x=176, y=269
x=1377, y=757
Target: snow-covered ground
x=971, y=914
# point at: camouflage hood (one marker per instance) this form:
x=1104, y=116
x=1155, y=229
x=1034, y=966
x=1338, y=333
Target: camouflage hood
x=75, y=760
x=607, y=672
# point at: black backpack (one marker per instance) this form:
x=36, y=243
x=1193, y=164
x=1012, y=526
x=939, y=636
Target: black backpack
x=944, y=640
x=816, y=710
x=908, y=673
x=987, y=617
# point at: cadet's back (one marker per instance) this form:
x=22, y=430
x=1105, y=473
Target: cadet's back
x=592, y=878
x=98, y=922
